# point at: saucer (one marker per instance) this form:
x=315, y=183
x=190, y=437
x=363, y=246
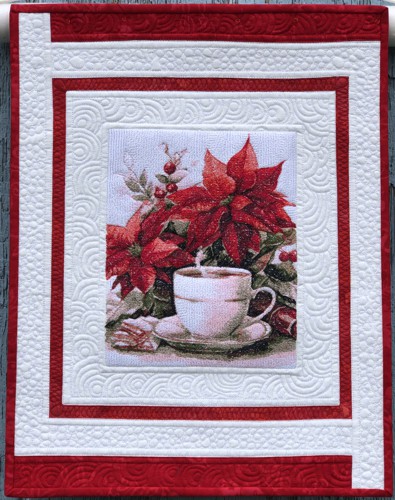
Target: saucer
x=173, y=332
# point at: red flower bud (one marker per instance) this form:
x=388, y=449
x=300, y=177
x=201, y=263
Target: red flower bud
x=169, y=168
x=171, y=187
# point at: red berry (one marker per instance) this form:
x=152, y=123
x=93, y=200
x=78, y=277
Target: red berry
x=172, y=187
x=169, y=168
x=159, y=193
x=293, y=256
x=284, y=256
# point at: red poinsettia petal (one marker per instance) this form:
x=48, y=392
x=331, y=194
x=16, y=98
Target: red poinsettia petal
x=163, y=276
x=117, y=262
x=262, y=199
x=215, y=178
x=153, y=225
x=243, y=167
x=239, y=202
x=274, y=217
x=174, y=238
x=266, y=216
x=195, y=198
x=255, y=241
x=265, y=198
x=142, y=276
x=204, y=230
x=209, y=240
x=157, y=250
x=126, y=284
x=133, y=225
x=236, y=238
x=183, y=214
x=284, y=220
x=245, y=218
x=179, y=258
x=267, y=178
x=117, y=237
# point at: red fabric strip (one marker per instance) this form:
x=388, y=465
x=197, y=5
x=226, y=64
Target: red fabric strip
x=14, y=252
x=385, y=261
x=280, y=23
x=57, y=409
x=343, y=224
x=69, y=476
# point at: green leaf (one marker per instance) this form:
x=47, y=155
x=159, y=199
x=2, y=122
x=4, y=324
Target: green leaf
x=289, y=236
x=261, y=260
x=133, y=185
x=137, y=314
x=286, y=289
x=273, y=239
x=162, y=291
x=162, y=178
x=150, y=189
x=259, y=280
x=286, y=301
x=140, y=197
x=143, y=178
x=180, y=227
x=224, y=260
x=282, y=272
x=269, y=243
x=162, y=309
x=148, y=300
x=168, y=203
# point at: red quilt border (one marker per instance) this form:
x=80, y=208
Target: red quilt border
x=386, y=263
x=14, y=258
x=252, y=24
x=12, y=462
x=60, y=410
x=69, y=476
x=242, y=22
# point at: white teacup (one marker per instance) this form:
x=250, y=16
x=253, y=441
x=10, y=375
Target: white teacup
x=214, y=303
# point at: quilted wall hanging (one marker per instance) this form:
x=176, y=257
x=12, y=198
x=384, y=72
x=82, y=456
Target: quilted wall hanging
x=199, y=276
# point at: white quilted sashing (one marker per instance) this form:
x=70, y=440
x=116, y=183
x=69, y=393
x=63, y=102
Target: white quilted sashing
x=36, y=434
x=86, y=380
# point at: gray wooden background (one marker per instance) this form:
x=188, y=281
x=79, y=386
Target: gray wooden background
x=4, y=179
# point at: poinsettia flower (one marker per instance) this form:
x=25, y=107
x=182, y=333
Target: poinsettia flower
x=236, y=201
x=136, y=251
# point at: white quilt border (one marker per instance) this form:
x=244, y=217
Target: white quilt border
x=316, y=380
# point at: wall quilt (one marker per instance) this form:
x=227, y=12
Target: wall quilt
x=199, y=276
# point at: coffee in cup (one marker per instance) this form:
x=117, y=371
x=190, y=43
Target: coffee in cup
x=212, y=302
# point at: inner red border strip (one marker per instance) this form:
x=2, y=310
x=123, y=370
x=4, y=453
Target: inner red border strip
x=57, y=408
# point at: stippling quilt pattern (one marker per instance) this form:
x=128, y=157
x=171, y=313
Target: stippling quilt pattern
x=199, y=275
